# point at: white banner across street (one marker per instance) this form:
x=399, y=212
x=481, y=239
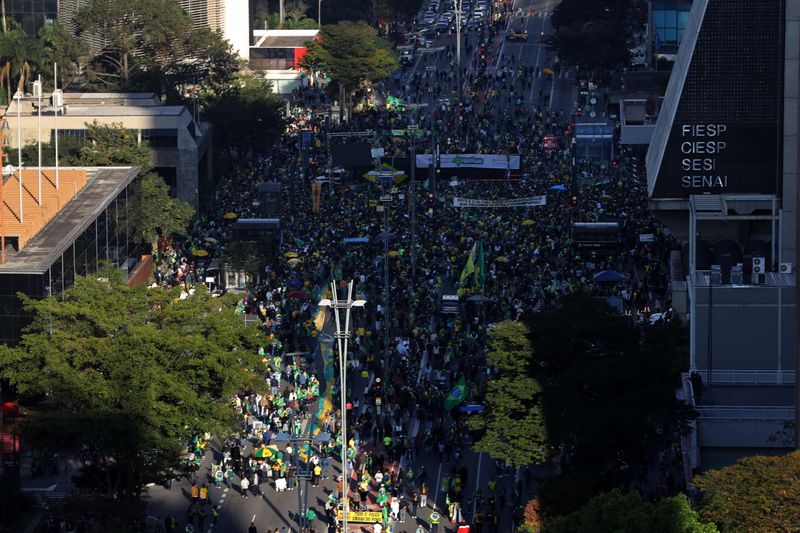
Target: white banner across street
x=531, y=201
x=493, y=161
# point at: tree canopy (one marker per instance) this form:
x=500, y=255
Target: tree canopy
x=247, y=116
x=758, y=494
x=352, y=52
x=512, y=427
x=128, y=373
x=561, y=381
x=614, y=512
x=152, y=45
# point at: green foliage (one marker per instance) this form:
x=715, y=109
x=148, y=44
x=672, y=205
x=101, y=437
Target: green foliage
x=352, y=52
x=61, y=47
x=154, y=213
x=152, y=46
x=614, y=512
x=104, y=145
x=69, y=153
x=113, y=145
x=19, y=53
x=582, y=379
x=758, y=494
x=247, y=116
x=591, y=35
x=608, y=393
x=128, y=372
x=512, y=426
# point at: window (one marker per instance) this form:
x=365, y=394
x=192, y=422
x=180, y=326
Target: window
x=161, y=138
x=79, y=134
x=669, y=21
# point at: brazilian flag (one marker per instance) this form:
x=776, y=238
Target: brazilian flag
x=457, y=395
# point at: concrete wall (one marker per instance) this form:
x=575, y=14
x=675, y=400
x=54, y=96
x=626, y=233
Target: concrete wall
x=745, y=328
x=185, y=159
x=738, y=433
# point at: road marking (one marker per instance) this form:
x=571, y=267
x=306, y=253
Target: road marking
x=477, y=484
x=253, y=519
x=538, y=55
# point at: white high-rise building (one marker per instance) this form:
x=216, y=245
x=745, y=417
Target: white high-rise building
x=230, y=17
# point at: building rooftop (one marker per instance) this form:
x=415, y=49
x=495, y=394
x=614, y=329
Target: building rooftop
x=139, y=99
x=124, y=110
x=771, y=280
x=103, y=184
x=283, y=41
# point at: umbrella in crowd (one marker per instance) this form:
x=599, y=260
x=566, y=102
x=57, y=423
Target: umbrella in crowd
x=558, y=188
x=290, y=255
x=608, y=276
x=265, y=452
x=297, y=294
x=230, y=216
x=527, y=222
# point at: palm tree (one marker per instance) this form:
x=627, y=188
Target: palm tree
x=17, y=53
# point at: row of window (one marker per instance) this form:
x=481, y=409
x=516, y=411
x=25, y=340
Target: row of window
x=107, y=238
x=157, y=138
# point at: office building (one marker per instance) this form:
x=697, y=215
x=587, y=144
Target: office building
x=229, y=17
x=64, y=224
x=180, y=146
x=669, y=19
x=278, y=53
x=722, y=176
x=32, y=15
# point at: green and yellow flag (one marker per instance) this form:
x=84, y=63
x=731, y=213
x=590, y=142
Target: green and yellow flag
x=469, y=268
x=480, y=267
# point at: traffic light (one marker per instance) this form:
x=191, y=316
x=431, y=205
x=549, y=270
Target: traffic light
x=574, y=201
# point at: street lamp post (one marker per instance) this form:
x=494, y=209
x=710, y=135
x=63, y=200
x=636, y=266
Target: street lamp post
x=319, y=13
x=342, y=336
x=458, y=49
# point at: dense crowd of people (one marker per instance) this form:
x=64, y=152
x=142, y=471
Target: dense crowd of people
x=397, y=411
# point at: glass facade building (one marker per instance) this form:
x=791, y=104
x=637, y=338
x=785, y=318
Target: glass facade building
x=104, y=237
x=669, y=22
x=32, y=15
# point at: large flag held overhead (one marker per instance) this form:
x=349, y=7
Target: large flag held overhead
x=457, y=395
x=480, y=267
x=469, y=268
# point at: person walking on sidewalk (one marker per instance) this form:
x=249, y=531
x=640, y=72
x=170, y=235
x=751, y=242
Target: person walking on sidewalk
x=423, y=495
x=245, y=486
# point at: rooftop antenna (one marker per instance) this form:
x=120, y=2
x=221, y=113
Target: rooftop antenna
x=57, y=101
x=37, y=93
x=18, y=98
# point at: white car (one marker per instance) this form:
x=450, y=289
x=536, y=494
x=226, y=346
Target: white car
x=430, y=16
